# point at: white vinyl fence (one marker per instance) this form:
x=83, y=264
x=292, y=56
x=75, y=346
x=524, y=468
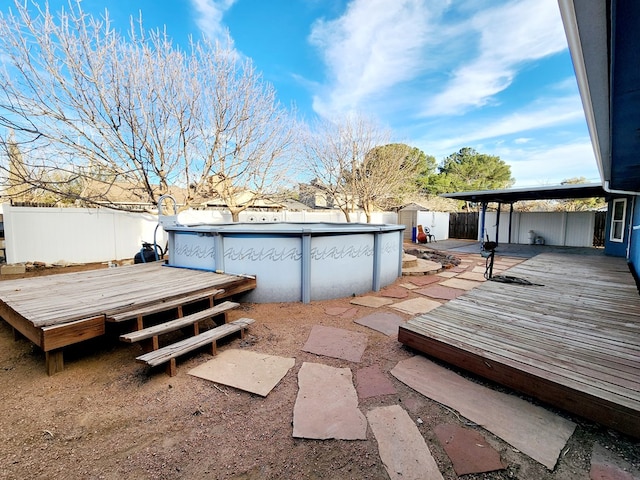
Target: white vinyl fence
x=75, y=235
x=86, y=235
x=570, y=229
x=436, y=222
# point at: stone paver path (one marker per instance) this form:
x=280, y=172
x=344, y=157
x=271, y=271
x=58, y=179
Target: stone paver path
x=415, y=306
x=372, y=382
x=336, y=343
x=327, y=405
x=468, y=450
x=383, y=322
x=402, y=448
x=533, y=430
x=250, y=371
x=369, y=301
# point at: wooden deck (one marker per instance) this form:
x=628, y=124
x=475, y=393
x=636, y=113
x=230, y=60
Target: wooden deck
x=59, y=310
x=573, y=342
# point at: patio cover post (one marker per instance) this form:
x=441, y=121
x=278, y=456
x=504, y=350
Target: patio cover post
x=510, y=219
x=498, y=223
x=482, y=220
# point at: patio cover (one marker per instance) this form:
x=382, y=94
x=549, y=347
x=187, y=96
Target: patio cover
x=512, y=195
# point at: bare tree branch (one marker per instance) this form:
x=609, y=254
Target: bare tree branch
x=135, y=111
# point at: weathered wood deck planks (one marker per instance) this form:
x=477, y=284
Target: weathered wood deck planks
x=59, y=299
x=573, y=342
x=59, y=310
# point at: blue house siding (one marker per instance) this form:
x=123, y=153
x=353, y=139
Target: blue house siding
x=634, y=245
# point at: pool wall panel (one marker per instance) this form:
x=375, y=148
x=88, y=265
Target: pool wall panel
x=294, y=262
x=341, y=265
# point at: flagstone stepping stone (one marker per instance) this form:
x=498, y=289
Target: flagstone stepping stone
x=606, y=465
x=425, y=280
x=534, y=431
x=468, y=450
x=394, y=292
x=460, y=283
x=374, y=302
x=250, y=371
x=447, y=274
x=474, y=276
x=440, y=291
x=402, y=448
x=458, y=269
x=336, y=343
x=372, y=382
x=409, y=286
x=416, y=306
x=327, y=405
x=383, y=322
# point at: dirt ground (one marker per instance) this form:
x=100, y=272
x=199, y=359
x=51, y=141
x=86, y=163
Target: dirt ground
x=107, y=417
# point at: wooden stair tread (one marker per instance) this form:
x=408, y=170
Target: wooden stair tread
x=178, y=323
x=164, y=354
x=163, y=306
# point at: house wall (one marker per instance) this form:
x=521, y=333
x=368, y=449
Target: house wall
x=570, y=229
x=634, y=244
x=78, y=235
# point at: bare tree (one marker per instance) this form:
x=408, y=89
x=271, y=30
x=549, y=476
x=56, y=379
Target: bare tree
x=97, y=107
x=386, y=176
x=353, y=163
x=330, y=151
x=244, y=135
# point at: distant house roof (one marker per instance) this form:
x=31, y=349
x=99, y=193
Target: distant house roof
x=119, y=193
x=512, y=195
x=243, y=198
x=414, y=206
x=295, y=205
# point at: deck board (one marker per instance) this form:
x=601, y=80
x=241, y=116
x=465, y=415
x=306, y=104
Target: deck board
x=573, y=341
x=59, y=299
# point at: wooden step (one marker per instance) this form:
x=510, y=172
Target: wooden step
x=150, y=309
x=173, y=325
x=210, y=337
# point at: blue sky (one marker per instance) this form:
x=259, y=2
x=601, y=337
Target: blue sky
x=494, y=75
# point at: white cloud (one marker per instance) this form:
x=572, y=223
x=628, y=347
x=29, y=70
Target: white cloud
x=375, y=45
x=378, y=48
x=544, y=113
x=551, y=165
x=508, y=37
x=209, y=17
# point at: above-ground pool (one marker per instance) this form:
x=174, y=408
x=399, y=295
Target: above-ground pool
x=293, y=261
